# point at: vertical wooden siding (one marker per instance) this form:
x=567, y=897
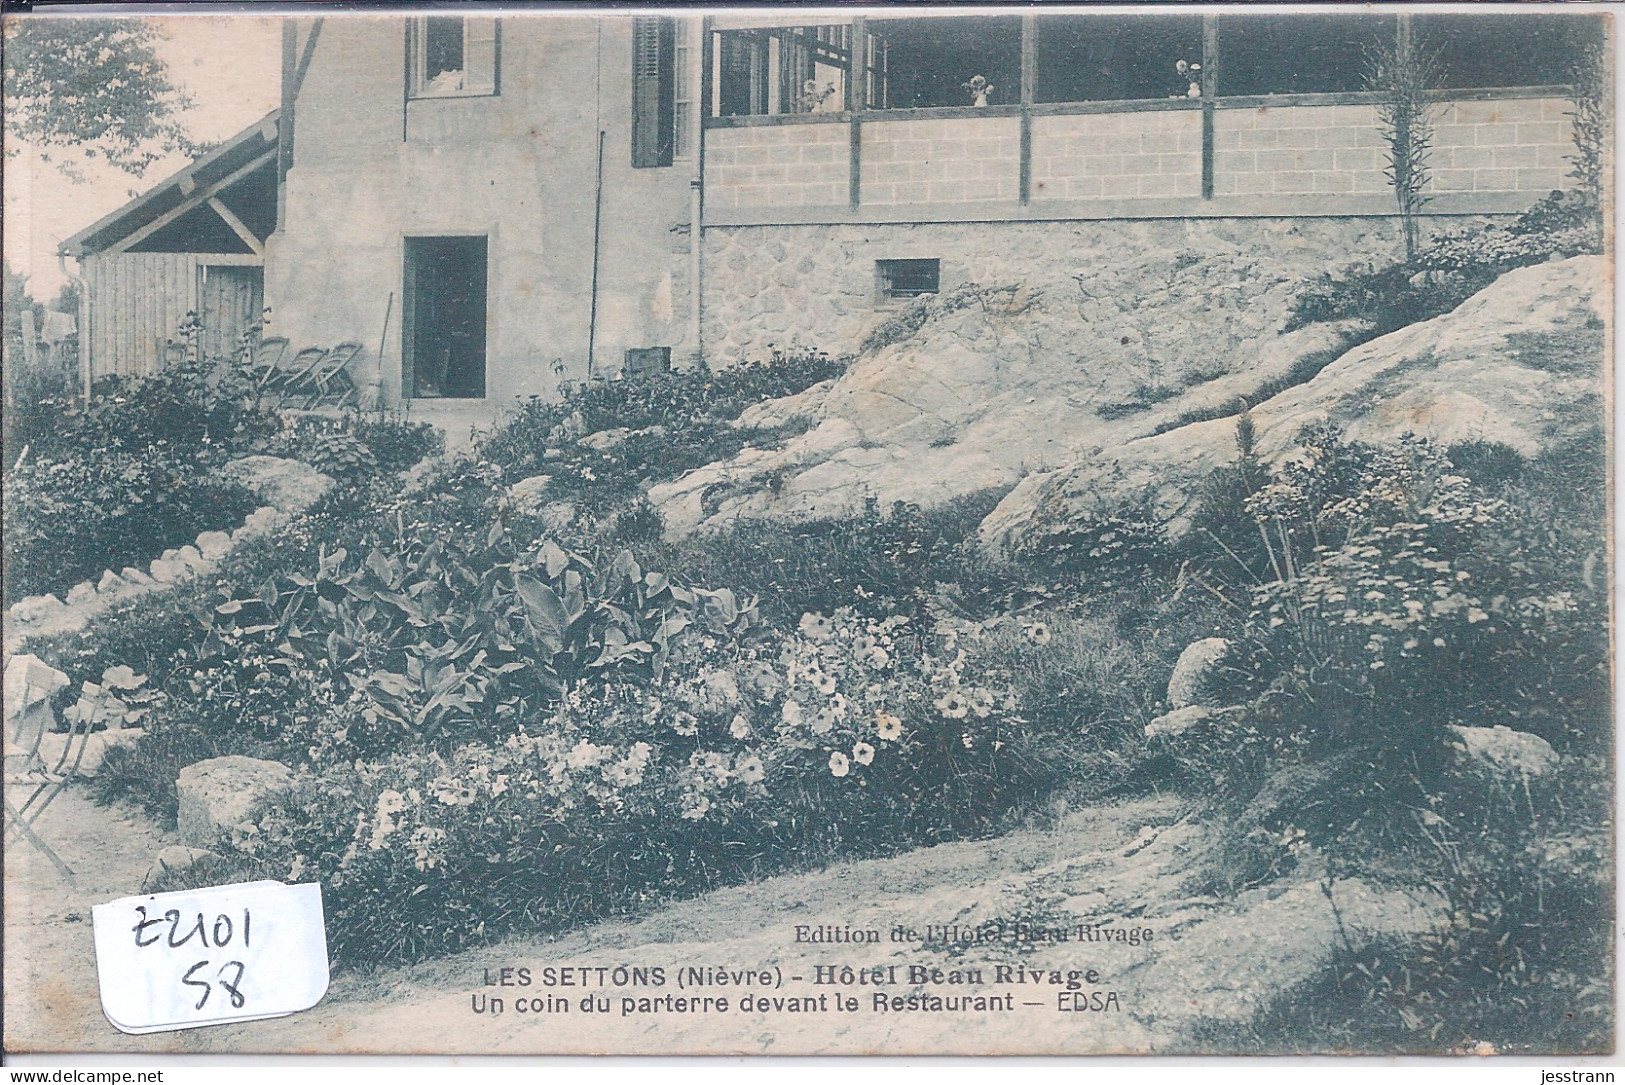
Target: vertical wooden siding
x=136, y=303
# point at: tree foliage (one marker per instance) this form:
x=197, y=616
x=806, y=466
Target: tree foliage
x=94, y=86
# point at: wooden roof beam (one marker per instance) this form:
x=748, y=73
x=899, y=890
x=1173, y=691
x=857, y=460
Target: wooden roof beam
x=198, y=197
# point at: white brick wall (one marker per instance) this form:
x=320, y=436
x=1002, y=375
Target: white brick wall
x=952, y=160
x=1300, y=150
x=1109, y=155
x=1502, y=145
x=1512, y=144
x=790, y=165
x=1506, y=145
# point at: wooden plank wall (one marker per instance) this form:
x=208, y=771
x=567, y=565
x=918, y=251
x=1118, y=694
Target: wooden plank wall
x=136, y=302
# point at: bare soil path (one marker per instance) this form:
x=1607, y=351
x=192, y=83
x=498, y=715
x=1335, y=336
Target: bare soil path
x=1126, y=868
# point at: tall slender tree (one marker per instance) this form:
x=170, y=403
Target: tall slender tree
x=1402, y=73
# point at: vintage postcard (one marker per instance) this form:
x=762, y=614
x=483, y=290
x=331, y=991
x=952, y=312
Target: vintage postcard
x=810, y=531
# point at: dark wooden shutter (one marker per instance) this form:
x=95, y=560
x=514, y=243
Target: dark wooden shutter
x=653, y=86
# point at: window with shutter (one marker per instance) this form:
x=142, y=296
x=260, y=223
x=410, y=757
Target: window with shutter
x=653, y=91
x=454, y=57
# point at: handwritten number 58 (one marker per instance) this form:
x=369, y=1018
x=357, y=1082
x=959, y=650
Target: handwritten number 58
x=230, y=986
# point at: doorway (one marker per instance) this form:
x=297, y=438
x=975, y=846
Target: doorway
x=231, y=299
x=444, y=318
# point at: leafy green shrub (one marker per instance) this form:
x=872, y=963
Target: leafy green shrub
x=1454, y=266
x=464, y=638
x=397, y=444
x=677, y=421
x=188, y=405
x=69, y=519
x=341, y=456
x=1392, y=599
x=880, y=561
x=850, y=734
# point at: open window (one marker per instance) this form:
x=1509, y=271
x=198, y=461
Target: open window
x=444, y=325
x=453, y=56
x=1304, y=54
x=938, y=61
x=1099, y=58
x=776, y=70
x=1513, y=50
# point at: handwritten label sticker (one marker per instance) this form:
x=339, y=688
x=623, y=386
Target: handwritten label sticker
x=208, y=956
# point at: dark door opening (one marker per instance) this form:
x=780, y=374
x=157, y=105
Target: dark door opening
x=445, y=317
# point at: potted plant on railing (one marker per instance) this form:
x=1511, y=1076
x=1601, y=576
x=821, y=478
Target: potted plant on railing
x=1192, y=75
x=979, y=89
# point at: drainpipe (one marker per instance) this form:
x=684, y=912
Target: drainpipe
x=696, y=192
x=597, y=229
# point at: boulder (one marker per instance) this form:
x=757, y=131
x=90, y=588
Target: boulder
x=1504, y=753
x=287, y=484
x=110, y=581
x=1030, y=368
x=177, y=859
x=1197, y=677
x=558, y=516
x=30, y=683
x=190, y=557
x=1183, y=719
x=224, y=795
x=82, y=592
x=132, y=575
x=36, y=608
x=1519, y=363
x=605, y=438
x=527, y=495
x=167, y=571
x=214, y=545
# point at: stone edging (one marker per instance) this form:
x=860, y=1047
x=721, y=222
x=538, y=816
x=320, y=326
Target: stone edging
x=47, y=615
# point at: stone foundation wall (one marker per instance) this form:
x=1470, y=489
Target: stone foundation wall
x=815, y=285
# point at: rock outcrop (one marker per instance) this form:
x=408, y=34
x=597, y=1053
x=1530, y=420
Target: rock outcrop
x=224, y=795
x=1029, y=368
x=1519, y=363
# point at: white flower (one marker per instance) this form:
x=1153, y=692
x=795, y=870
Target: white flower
x=740, y=727
x=838, y=764
x=1038, y=633
x=685, y=724
x=888, y=728
x=863, y=753
x=791, y=712
x=750, y=770
x=816, y=627
x=953, y=705
x=823, y=722
x=584, y=755
x=697, y=808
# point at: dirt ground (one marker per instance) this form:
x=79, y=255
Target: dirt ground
x=1127, y=867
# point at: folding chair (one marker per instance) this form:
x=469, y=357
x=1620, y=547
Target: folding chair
x=266, y=358
x=291, y=380
x=332, y=374
x=26, y=769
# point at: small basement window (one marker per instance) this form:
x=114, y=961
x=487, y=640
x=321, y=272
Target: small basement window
x=901, y=280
